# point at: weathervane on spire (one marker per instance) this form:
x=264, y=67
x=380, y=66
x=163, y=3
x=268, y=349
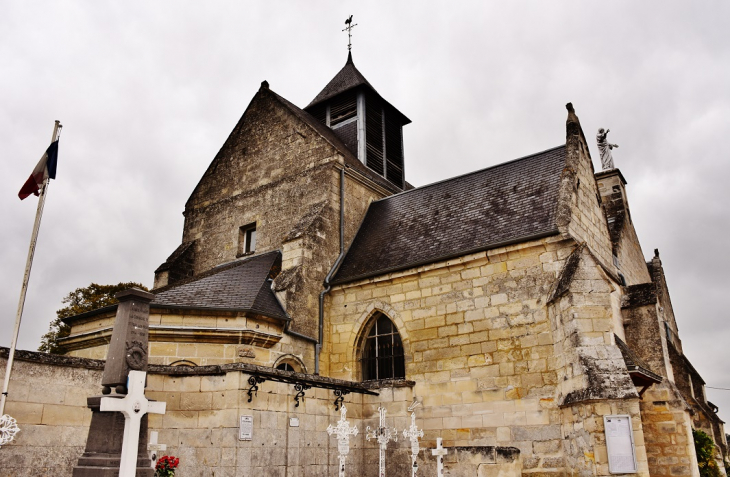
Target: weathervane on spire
x=349, y=28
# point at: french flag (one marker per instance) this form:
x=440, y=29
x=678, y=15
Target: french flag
x=46, y=168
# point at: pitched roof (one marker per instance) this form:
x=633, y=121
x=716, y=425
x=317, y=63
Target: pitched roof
x=349, y=77
x=239, y=286
x=503, y=204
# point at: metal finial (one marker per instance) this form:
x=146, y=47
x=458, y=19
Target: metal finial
x=348, y=29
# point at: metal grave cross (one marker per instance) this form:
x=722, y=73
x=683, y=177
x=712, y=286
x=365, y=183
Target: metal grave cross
x=413, y=433
x=440, y=452
x=383, y=435
x=153, y=447
x=134, y=405
x=343, y=431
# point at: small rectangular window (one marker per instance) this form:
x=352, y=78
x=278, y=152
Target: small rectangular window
x=246, y=239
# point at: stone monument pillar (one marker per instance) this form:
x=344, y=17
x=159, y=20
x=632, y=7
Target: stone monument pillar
x=127, y=351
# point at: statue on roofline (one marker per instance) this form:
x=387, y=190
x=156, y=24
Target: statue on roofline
x=604, y=148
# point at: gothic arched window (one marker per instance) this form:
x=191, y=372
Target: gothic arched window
x=382, y=351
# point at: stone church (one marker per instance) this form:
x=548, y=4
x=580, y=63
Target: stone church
x=511, y=309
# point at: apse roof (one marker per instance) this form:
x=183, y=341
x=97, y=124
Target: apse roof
x=503, y=204
x=242, y=285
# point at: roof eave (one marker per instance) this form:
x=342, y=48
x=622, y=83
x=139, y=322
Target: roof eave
x=219, y=309
x=481, y=248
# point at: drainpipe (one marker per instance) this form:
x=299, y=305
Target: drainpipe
x=327, y=287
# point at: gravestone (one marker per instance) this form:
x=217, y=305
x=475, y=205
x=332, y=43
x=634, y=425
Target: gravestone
x=439, y=452
x=154, y=448
x=127, y=351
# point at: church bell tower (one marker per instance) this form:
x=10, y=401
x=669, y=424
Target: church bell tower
x=370, y=127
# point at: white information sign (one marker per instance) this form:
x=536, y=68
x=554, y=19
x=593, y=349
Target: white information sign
x=245, y=430
x=620, y=444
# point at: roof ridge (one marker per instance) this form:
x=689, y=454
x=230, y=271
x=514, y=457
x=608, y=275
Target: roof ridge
x=468, y=173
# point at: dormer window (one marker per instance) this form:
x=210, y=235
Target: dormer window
x=246, y=240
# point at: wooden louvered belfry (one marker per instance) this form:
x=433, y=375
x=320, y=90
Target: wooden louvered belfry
x=367, y=124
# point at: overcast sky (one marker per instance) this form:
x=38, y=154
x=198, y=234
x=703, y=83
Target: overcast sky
x=148, y=92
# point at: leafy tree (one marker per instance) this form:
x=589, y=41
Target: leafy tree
x=79, y=301
x=705, y=449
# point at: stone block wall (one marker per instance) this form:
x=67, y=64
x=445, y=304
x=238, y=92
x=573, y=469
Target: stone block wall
x=478, y=344
x=668, y=432
x=580, y=215
x=584, y=446
x=202, y=422
x=49, y=403
x=48, y=398
x=201, y=338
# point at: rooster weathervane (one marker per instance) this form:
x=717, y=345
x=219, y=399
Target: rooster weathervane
x=348, y=29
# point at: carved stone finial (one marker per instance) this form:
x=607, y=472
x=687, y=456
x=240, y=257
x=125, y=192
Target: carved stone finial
x=604, y=148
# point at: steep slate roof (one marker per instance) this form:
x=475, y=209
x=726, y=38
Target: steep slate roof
x=503, y=204
x=348, y=78
x=239, y=286
x=638, y=369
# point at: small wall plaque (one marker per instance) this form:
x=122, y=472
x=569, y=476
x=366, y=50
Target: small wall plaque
x=293, y=422
x=620, y=444
x=245, y=430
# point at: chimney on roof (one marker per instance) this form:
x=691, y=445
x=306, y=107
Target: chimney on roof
x=264, y=85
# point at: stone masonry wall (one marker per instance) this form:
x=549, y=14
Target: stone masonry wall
x=579, y=211
x=592, y=376
x=478, y=344
x=667, y=432
x=201, y=425
x=627, y=247
x=49, y=403
x=273, y=170
x=585, y=444
x=278, y=172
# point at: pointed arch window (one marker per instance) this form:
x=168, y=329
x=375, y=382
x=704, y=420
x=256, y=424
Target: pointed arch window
x=382, y=352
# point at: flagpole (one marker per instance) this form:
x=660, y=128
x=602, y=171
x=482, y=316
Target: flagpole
x=26, y=277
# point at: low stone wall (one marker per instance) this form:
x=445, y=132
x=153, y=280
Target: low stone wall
x=47, y=396
x=201, y=426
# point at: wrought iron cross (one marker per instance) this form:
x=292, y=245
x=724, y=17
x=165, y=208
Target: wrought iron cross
x=343, y=431
x=384, y=435
x=413, y=433
x=348, y=29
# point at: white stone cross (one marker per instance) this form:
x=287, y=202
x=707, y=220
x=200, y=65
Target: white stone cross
x=413, y=433
x=153, y=447
x=343, y=431
x=440, y=452
x=383, y=435
x=134, y=405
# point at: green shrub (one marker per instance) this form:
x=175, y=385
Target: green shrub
x=705, y=449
